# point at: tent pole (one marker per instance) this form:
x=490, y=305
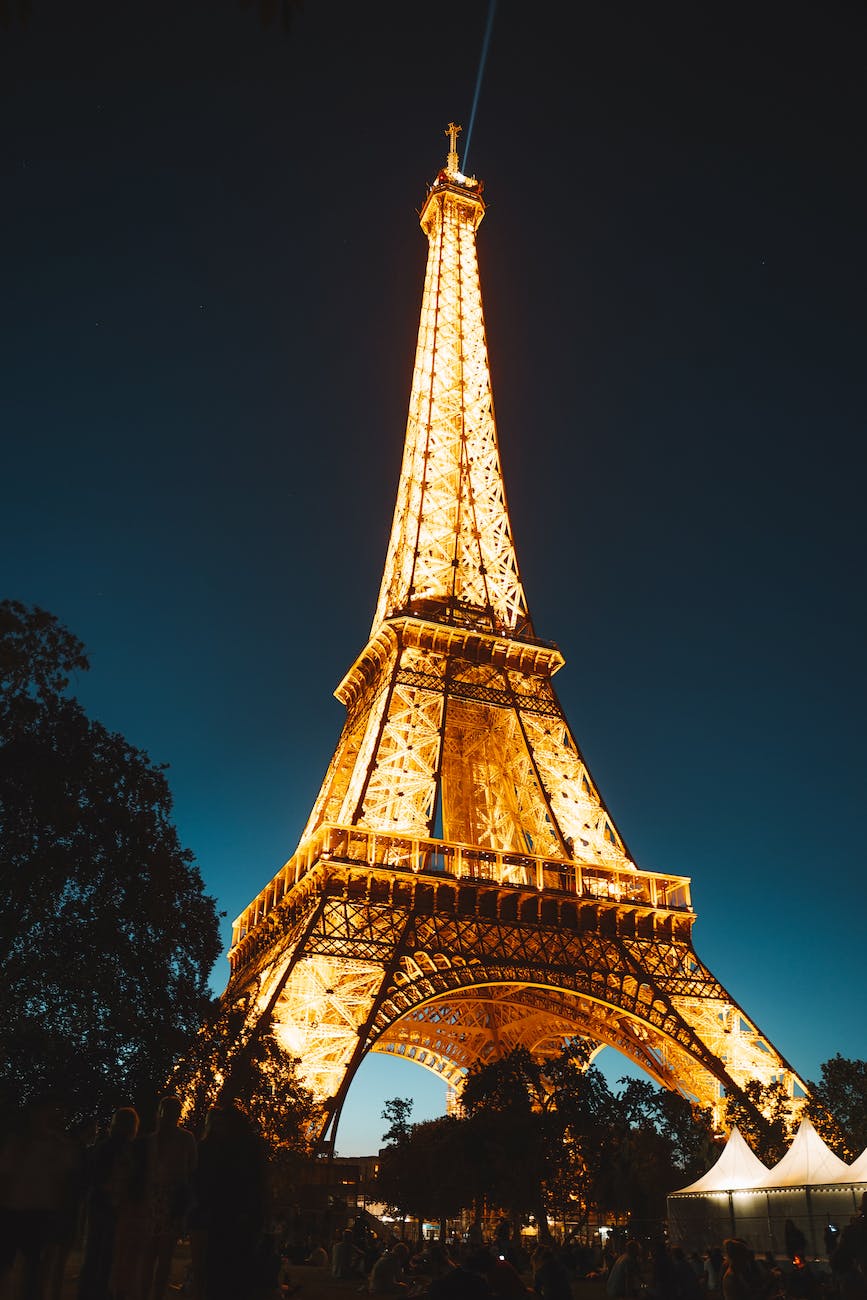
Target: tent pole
x=809, y=1201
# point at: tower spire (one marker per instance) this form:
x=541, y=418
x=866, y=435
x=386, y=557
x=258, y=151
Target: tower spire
x=451, y=552
x=452, y=131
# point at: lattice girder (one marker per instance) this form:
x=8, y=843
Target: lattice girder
x=490, y=793
x=318, y=1015
x=333, y=794
x=451, y=538
x=488, y=738
x=575, y=801
x=574, y=969
x=480, y=1024
x=401, y=779
x=454, y=1033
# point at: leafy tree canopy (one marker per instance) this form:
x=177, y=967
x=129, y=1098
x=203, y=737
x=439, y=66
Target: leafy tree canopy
x=236, y=1060
x=427, y=1170
x=765, y=1118
x=837, y=1106
x=397, y=1113
x=37, y=657
x=106, y=935
x=558, y=1140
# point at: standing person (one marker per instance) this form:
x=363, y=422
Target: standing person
x=171, y=1163
x=663, y=1279
x=232, y=1201
x=37, y=1165
x=849, y=1260
x=686, y=1276
x=133, y=1229
x=795, y=1241
x=344, y=1256
x=199, y=1219
x=713, y=1269
x=625, y=1276
x=551, y=1279
x=741, y=1279
x=107, y=1177
x=69, y=1224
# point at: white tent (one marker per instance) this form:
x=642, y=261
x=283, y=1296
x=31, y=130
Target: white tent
x=858, y=1168
x=740, y=1197
x=703, y=1214
x=737, y=1167
x=811, y=1187
x=807, y=1161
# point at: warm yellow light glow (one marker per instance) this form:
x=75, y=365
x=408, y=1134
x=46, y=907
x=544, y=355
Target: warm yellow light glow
x=460, y=888
x=585, y=878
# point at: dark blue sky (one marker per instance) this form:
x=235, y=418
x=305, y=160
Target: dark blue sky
x=211, y=278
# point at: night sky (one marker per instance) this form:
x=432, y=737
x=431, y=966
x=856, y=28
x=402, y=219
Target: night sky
x=211, y=276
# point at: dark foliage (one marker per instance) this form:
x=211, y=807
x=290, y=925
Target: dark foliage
x=397, y=1113
x=234, y=1060
x=765, y=1118
x=510, y=1108
x=837, y=1105
x=653, y=1142
x=427, y=1171
x=106, y=936
x=554, y=1139
x=550, y=1137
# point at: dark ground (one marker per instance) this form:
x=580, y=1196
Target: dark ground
x=312, y=1283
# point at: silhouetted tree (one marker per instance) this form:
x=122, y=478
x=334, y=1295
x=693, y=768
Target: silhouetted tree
x=655, y=1141
x=556, y=1140
x=764, y=1116
x=227, y=1062
x=509, y=1103
x=546, y=1137
x=582, y=1126
x=395, y=1181
x=427, y=1173
x=106, y=935
x=837, y=1106
x=397, y=1112
x=687, y=1130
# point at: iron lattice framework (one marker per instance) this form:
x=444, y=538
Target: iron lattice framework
x=524, y=922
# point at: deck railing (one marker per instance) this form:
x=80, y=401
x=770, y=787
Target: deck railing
x=440, y=858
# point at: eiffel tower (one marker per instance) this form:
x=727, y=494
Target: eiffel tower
x=461, y=888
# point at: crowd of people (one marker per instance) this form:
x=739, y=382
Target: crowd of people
x=504, y=1269
x=125, y=1198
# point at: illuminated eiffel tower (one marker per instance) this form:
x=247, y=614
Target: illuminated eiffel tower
x=524, y=921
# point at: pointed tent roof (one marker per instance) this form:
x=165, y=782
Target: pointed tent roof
x=737, y=1168
x=808, y=1161
x=858, y=1168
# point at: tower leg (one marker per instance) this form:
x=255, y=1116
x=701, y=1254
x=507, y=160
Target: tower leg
x=335, y=1108
x=233, y=1084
